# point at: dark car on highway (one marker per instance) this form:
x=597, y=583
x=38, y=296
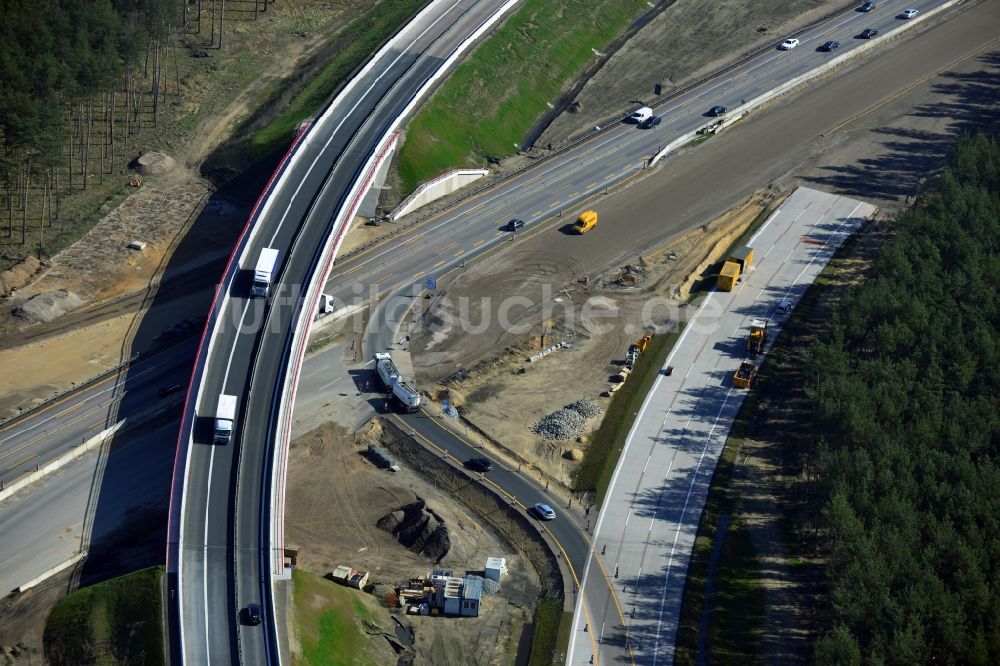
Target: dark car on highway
x=170, y=388
x=652, y=121
x=253, y=615
x=717, y=111
x=515, y=224
x=479, y=464
x=831, y=45
x=867, y=7
x=869, y=33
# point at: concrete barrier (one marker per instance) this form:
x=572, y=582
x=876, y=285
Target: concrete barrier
x=94, y=442
x=51, y=572
x=436, y=188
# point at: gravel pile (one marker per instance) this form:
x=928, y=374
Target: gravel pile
x=588, y=409
x=561, y=424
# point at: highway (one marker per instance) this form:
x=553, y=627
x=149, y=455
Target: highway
x=224, y=537
x=564, y=182
x=65, y=423
x=494, y=208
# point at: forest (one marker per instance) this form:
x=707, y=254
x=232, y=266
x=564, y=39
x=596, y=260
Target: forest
x=905, y=393
x=79, y=81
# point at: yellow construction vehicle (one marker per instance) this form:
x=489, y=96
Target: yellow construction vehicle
x=744, y=375
x=643, y=343
x=757, y=338
x=586, y=222
x=736, y=264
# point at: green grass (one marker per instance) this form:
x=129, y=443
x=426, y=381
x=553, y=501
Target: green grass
x=550, y=630
x=358, y=41
x=119, y=621
x=606, y=444
x=736, y=612
x=329, y=620
x=489, y=104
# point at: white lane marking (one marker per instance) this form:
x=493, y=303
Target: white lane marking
x=348, y=114
x=204, y=552
x=680, y=522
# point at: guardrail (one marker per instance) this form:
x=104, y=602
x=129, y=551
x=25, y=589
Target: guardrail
x=313, y=289
x=817, y=72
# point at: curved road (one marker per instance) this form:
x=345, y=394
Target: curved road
x=224, y=541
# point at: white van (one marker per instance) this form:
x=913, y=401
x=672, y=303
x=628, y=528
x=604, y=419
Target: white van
x=641, y=115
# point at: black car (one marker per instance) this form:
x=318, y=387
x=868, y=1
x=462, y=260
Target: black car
x=831, y=45
x=479, y=464
x=869, y=33
x=253, y=615
x=717, y=111
x=515, y=224
x=652, y=121
x=167, y=390
x=867, y=7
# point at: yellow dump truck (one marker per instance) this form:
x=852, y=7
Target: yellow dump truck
x=736, y=264
x=728, y=276
x=586, y=222
x=758, y=336
x=744, y=375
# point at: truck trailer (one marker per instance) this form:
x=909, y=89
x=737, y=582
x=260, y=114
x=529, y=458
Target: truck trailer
x=263, y=274
x=225, y=414
x=407, y=396
x=387, y=371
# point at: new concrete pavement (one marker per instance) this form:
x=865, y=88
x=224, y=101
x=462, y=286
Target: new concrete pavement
x=650, y=516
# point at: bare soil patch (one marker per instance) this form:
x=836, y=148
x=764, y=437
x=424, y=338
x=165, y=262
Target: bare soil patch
x=336, y=497
x=487, y=375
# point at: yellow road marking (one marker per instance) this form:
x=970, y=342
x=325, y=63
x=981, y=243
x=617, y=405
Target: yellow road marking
x=460, y=252
x=439, y=264
x=481, y=241
x=69, y=409
x=446, y=247
x=21, y=462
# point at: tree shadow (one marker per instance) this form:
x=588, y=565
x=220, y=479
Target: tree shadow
x=907, y=155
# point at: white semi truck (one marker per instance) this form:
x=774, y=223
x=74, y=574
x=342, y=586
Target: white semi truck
x=224, y=417
x=407, y=396
x=263, y=274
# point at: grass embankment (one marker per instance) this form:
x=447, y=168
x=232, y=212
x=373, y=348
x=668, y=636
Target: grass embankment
x=119, y=621
x=358, y=41
x=550, y=631
x=329, y=620
x=489, y=104
x=606, y=444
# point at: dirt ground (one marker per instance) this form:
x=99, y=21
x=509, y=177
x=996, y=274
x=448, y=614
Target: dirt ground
x=679, y=45
x=482, y=372
x=334, y=524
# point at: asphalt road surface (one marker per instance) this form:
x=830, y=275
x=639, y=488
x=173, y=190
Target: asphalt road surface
x=689, y=190
x=67, y=422
x=49, y=523
x=562, y=183
x=224, y=537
